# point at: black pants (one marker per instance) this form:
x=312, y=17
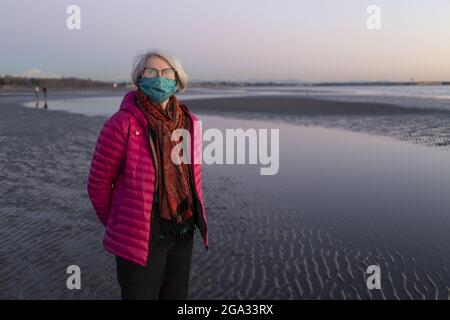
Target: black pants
x=166, y=275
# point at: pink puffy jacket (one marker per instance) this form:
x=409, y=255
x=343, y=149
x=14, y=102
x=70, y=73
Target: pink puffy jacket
x=121, y=181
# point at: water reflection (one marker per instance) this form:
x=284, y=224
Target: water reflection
x=41, y=104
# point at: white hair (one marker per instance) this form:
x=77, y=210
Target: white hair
x=141, y=60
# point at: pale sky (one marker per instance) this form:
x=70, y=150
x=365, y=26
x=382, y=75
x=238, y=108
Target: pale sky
x=310, y=40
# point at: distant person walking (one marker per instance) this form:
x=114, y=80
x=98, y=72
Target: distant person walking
x=44, y=90
x=148, y=202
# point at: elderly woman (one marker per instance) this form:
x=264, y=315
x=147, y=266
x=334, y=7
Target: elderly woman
x=149, y=203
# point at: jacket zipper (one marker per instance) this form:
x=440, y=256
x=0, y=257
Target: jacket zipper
x=198, y=197
x=155, y=163
x=155, y=160
x=195, y=190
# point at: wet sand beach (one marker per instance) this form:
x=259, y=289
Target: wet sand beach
x=349, y=194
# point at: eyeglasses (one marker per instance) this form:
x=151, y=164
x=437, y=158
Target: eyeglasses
x=168, y=73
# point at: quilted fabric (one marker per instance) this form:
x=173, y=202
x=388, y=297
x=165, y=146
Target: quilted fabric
x=121, y=181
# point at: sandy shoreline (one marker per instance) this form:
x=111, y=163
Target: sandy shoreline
x=47, y=222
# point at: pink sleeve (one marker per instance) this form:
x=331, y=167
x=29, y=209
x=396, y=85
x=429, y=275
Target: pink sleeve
x=106, y=162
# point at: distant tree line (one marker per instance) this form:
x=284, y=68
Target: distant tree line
x=8, y=81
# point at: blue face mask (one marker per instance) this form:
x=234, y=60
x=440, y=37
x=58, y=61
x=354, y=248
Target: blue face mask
x=158, y=89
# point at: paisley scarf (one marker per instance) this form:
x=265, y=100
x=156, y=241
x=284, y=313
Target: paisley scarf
x=175, y=194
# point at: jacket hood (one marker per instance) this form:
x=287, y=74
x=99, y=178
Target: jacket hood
x=128, y=104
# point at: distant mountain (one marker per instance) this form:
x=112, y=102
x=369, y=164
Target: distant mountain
x=39, y=74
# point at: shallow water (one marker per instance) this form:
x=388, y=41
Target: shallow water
x=108, y=105
x=423, y=97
